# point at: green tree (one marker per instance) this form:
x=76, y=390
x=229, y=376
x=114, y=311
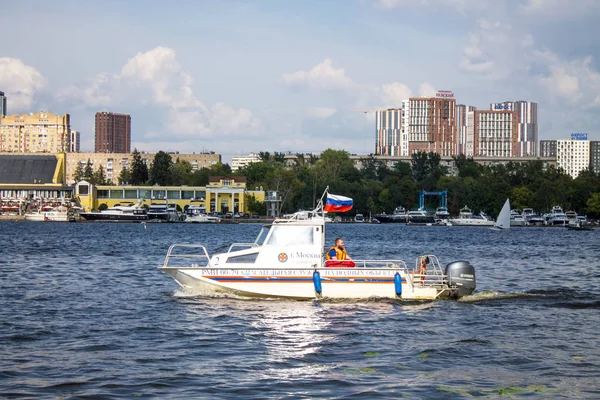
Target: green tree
x=88, y=172
x=79, y=173
x=124, y=176
x=593, y=205
x=138, y=170
x=181, y=173
x=99, y=176
x=254, y=206
x=160, y=171
x=521, y=197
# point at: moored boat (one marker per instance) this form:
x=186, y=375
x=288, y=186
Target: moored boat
x=398, y=216
x=286, y=261
x=118, y=213
x=466, y=218
x=55, y=214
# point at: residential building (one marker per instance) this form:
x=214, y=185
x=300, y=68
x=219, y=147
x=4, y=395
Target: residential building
x=573, y=156
x=388, y=124
x=492, y=133
x=113, y=133
x=113, y=163
x=595, y=156
x=2, y=105
x=41, y=132
x=432, y=125
x=527, y=135
x=548, y=148
x=238, y=162
x=461, y=127
x=75, y=142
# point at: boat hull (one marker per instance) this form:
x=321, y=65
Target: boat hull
x=113, y=217
x=298, y=284
x=390, y=219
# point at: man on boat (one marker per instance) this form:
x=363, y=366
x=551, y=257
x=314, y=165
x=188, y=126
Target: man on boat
x=338, y=252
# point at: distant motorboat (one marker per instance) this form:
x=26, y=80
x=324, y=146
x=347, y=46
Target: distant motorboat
x=466, y=218
x=359, y=218
x=162, y=213
x=398, y=216
x=118, y=212
x=56, y=214
x=420, y=217
x=557, y=217
x=517, y=218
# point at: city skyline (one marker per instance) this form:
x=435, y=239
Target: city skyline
x=239, y=77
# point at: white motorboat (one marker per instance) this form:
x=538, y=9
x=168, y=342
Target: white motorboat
x=442, y=213
x=56, y=214
x=359, y=218
x=557, y=217
x=121, y=213
x=466, y=218
x=286, y=261
x=202, y=219
x=517, y=218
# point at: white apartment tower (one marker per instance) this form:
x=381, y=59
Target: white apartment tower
x=573, y=156
x=492, y=133
x=75, y=145
x=461, y=127
x=527, y=135
x=238, y=162
x=388, y=125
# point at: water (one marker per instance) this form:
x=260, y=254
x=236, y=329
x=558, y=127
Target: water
x=84, y=313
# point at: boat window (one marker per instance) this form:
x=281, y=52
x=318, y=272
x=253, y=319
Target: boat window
x=291, y=235
x=246, y=258
x=262, y=235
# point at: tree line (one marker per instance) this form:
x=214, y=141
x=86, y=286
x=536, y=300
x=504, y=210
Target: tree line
x=376, y=188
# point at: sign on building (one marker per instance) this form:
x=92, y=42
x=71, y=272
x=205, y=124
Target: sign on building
x=579, y=136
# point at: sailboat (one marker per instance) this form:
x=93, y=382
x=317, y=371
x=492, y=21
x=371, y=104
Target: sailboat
x=503, y=221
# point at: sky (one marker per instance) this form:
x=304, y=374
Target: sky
x=235, y=77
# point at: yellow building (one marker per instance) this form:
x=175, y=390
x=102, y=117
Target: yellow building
x=41, y=132
x=113, y=163
x=222, y=194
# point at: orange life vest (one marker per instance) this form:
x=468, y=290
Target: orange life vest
x=339, y=254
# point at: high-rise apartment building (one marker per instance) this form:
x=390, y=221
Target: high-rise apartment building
x=573, y=156
x=75, y=143
x=548, y=148
x=388, y=124
x=113, y=133
x=2, y=104
x=431, y=123
x=461, y=127
x=41, y=132
x=528, y=125
x=595, y=156
x=492, y=133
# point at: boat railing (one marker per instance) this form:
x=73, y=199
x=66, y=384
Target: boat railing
x=374, y=264
x=186, y=255
x=242, y=245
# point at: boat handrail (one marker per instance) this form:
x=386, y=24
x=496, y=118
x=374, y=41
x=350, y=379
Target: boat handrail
x=204, y=254
x=234, y=245
x=371, y=264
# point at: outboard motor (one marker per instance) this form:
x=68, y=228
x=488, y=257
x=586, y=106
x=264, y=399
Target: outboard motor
x=462, y=275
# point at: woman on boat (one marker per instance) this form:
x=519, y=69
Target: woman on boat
x=423, y=268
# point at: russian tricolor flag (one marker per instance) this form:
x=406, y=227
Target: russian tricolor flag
x=336, y=203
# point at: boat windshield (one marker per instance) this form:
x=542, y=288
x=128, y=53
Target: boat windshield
x=291, y=235
x=262, y=235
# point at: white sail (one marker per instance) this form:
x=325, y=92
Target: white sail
x=503, y=221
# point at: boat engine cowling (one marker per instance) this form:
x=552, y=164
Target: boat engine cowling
x=462, y=275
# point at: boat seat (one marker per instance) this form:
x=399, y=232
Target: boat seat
x=339, y=264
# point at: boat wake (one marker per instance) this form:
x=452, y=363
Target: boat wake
x=491, y=295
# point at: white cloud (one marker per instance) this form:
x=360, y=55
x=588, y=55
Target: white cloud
x=560, y=9
x=394, y=93
x=156, y=79
x=463, y=7
x=321, y=112
x=575, y=81
x=19, y=82
x=322, y=76
x=426, y=90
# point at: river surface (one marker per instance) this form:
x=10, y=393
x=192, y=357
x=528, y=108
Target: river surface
x=84, y=313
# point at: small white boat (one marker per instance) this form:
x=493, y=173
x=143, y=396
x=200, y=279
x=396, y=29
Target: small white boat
x=466, y=218
x=56, y=214
x=202, y=219
x=359, y=218
x=503, y=221
x=286, y=261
